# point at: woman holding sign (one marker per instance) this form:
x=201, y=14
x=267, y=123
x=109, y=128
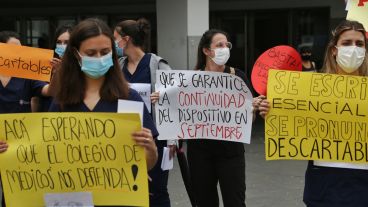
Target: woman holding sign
x=90, y=80
x=16, y=93
x=212, y=161
x=62, y=35
x=336, y=184
x=139, y=67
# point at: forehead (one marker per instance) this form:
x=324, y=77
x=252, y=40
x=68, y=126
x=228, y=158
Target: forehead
x=98, y=42
x=219, y=38
x=64, y=36
x=351, y=35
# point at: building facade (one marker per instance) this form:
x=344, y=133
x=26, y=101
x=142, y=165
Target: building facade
x=253, y=25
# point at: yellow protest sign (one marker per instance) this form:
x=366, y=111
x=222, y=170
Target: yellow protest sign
x=72, y=152
x=25, y=62
x=316, y=116
x=358, y=11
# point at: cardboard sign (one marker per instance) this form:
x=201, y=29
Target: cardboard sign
x=72, y=152
x=358, y=11
x=316, y=116
x=25, y=62
x=203, y=105
x=279, y=57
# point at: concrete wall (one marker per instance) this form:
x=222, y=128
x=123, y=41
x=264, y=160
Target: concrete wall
x=172, y=32
x=180, y=24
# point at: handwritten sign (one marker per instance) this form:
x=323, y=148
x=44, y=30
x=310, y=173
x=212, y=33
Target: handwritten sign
x=317, y=116
x=358, y=11
x=210, y=105
x=144, y=91
x=25, y=62
x=72, y=152
x=280, y=57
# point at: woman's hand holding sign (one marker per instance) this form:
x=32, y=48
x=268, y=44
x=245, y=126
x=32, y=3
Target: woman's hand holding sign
x=155, y=96
x=144, y=138
x=3, y=146
x=264, y=108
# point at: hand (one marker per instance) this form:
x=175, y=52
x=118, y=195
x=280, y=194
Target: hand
x=264, y=108
x=155, y=96
x=144, y=138
x=172, y=149
x=55, y=62
x=3, y=146
x=257, y=102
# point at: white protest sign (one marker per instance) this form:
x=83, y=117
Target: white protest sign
x=203, y=105
x=358, y=11
x=144, y=91
x=126, y=106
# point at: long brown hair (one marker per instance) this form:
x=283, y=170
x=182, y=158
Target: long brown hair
x=330, y=65
x=70, y=80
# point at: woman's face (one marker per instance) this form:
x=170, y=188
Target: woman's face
x=218, y=41
x=118, y=38
x=351, y=38
x=63, y=39
x=96, y=46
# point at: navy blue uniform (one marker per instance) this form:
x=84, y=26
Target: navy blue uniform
x=335, y=187
x=45, y=103
x=16, y=96
x=159, y=195
x=142, y=73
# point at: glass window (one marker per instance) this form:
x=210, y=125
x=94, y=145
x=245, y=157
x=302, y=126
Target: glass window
x=37, y=33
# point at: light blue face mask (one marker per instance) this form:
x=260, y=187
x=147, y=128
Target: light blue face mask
x=60, y=49
x=96, y=67
x=119, y=50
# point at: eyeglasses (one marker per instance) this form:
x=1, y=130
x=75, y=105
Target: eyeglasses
x=223, y=44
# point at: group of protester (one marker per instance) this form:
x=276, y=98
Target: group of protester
x=93, y=66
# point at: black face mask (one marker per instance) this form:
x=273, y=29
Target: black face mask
x=306, y=57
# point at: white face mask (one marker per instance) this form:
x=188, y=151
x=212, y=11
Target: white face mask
x=222, y=55
x=350, y=58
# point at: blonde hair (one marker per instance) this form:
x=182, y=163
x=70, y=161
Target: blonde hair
x=330, y=65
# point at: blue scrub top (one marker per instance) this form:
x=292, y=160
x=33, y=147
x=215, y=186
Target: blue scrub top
x=106, y=106
x=142, y=74
x=16, y=96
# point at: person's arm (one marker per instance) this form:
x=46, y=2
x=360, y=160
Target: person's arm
x=45, y=90
x=48, y=89
x=144, y=138
x=35, y=104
